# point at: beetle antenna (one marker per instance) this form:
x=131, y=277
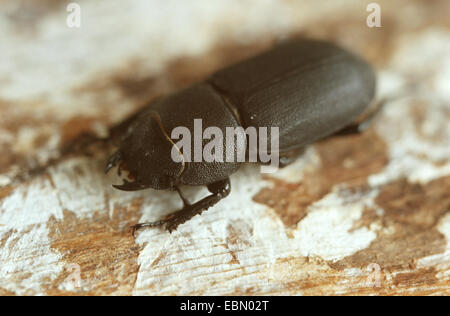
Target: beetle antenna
x=112, y=161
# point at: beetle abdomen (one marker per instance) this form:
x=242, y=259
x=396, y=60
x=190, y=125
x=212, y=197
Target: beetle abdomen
x=308, y=88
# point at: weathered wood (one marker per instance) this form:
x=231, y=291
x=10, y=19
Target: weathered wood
x=355, y=215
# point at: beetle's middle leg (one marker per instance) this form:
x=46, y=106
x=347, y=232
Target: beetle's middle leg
x=183, y=198
x=219, y=190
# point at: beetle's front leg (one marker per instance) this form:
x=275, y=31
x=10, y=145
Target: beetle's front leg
x=183, y=198
x=219, y=190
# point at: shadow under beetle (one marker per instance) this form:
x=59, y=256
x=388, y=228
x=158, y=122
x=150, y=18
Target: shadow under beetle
x=310, y=89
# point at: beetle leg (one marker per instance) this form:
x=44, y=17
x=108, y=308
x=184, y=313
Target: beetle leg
x=364, y=121
x=113, y=161
x=286, y=158
x=82, y=143
x=183, y=198
x=219, y=190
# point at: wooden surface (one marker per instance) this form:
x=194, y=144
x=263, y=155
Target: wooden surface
x=365, y=214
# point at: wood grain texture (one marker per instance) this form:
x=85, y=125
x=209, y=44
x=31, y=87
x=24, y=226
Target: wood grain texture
x=366, y=214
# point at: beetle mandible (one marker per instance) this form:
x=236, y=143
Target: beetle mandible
x=310, y=89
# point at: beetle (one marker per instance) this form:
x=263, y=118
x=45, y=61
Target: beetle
x=308, y=88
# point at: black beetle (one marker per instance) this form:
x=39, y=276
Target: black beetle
x=310, y=89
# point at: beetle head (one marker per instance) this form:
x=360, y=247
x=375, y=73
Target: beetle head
x=145, y=152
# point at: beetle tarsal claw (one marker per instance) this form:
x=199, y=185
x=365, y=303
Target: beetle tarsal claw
x=130, y=186
x=136, y=227
x=113, y=161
